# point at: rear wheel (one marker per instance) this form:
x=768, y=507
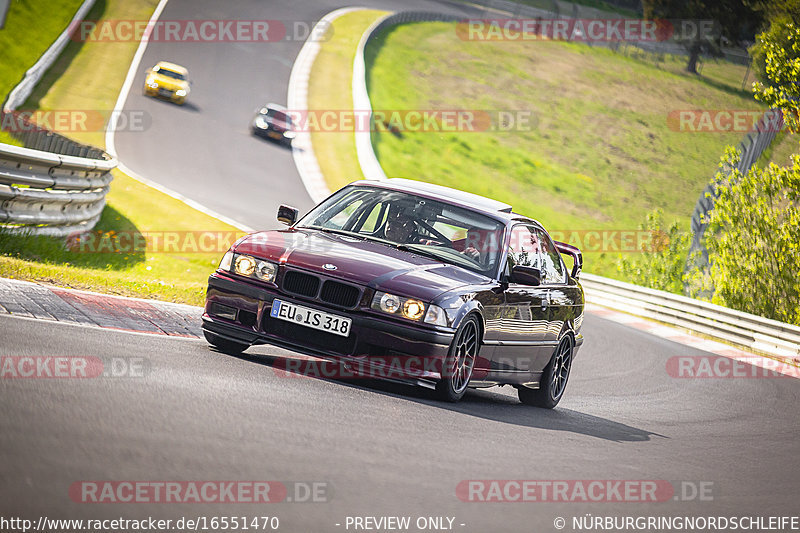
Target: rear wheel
x=457, y=368
x=224, y=345
x=554, y=378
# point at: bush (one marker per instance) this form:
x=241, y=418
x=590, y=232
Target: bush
x=753, y=239
x=663, y=260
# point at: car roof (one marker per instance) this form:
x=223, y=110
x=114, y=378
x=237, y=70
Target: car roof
x=172, y=66
x=438, y=192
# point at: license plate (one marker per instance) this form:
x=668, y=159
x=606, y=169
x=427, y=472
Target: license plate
x=165, y=92
x=274, y=134
x=338, y=325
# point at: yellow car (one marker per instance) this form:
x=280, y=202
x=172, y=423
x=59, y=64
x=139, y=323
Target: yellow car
x=169, y=81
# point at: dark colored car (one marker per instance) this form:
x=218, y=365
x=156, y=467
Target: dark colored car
x=450, y=289
x=273, y=122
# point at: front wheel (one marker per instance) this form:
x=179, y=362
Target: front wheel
x=554, y=378
x=457, y=368
x=224, y=345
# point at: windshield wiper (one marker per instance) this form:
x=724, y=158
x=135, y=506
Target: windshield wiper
x=419, y=251
x=339, y=232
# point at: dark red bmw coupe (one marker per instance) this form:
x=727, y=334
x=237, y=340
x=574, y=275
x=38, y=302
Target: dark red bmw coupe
x=406, y=279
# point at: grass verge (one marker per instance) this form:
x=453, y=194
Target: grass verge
x=331, y=88
x=781, y=149
x=600, y=152
x=30, y=29
x=174, y=272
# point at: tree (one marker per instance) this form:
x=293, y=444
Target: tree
x=663, y=259
x=753, y=239
x=782, y=68
x=736, y=20
x=780, y=15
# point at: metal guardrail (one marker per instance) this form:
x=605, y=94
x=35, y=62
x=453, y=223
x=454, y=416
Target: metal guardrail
x=53, y=185
x=51, y=194
x=749, y=331
x=750, y=148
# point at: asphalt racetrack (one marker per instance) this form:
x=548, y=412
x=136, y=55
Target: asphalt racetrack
x=388, y=449
x=726, y=447
x=204, y=150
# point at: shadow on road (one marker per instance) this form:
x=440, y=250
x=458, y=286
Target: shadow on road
x=485, y=404
x=187, y=105
x=274, y=142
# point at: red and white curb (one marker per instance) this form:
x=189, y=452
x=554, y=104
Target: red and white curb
x=70, y=306
x=297, y=98
x=35, y=301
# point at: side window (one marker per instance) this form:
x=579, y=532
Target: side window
x=524, y=247
x=553, y=266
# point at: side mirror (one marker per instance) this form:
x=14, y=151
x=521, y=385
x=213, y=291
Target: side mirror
x=526, y=275
x=287, y=215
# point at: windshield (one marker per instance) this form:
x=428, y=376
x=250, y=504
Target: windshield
x=444, y=232
x=169, y=73
x=278, y=115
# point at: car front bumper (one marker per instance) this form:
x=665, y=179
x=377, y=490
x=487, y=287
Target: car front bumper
x=386, y=348
x=269, y=133
x=165, y=94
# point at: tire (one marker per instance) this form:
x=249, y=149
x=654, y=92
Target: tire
x=224, y=345
x=554, y=378
x=460, y=361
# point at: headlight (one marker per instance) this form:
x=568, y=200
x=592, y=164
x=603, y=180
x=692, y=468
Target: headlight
x=413, y=309
x=289, y=134
x=226, y=262
x=152, y=84
x=245, y=265
x=389, y=303
x=261, y=123
x=397, y=305
x=180, y=92
x=266, y=271
x=436, y=316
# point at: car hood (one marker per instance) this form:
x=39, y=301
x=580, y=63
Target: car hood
x=277, y=124
x=168, y=83
x=369, y=263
